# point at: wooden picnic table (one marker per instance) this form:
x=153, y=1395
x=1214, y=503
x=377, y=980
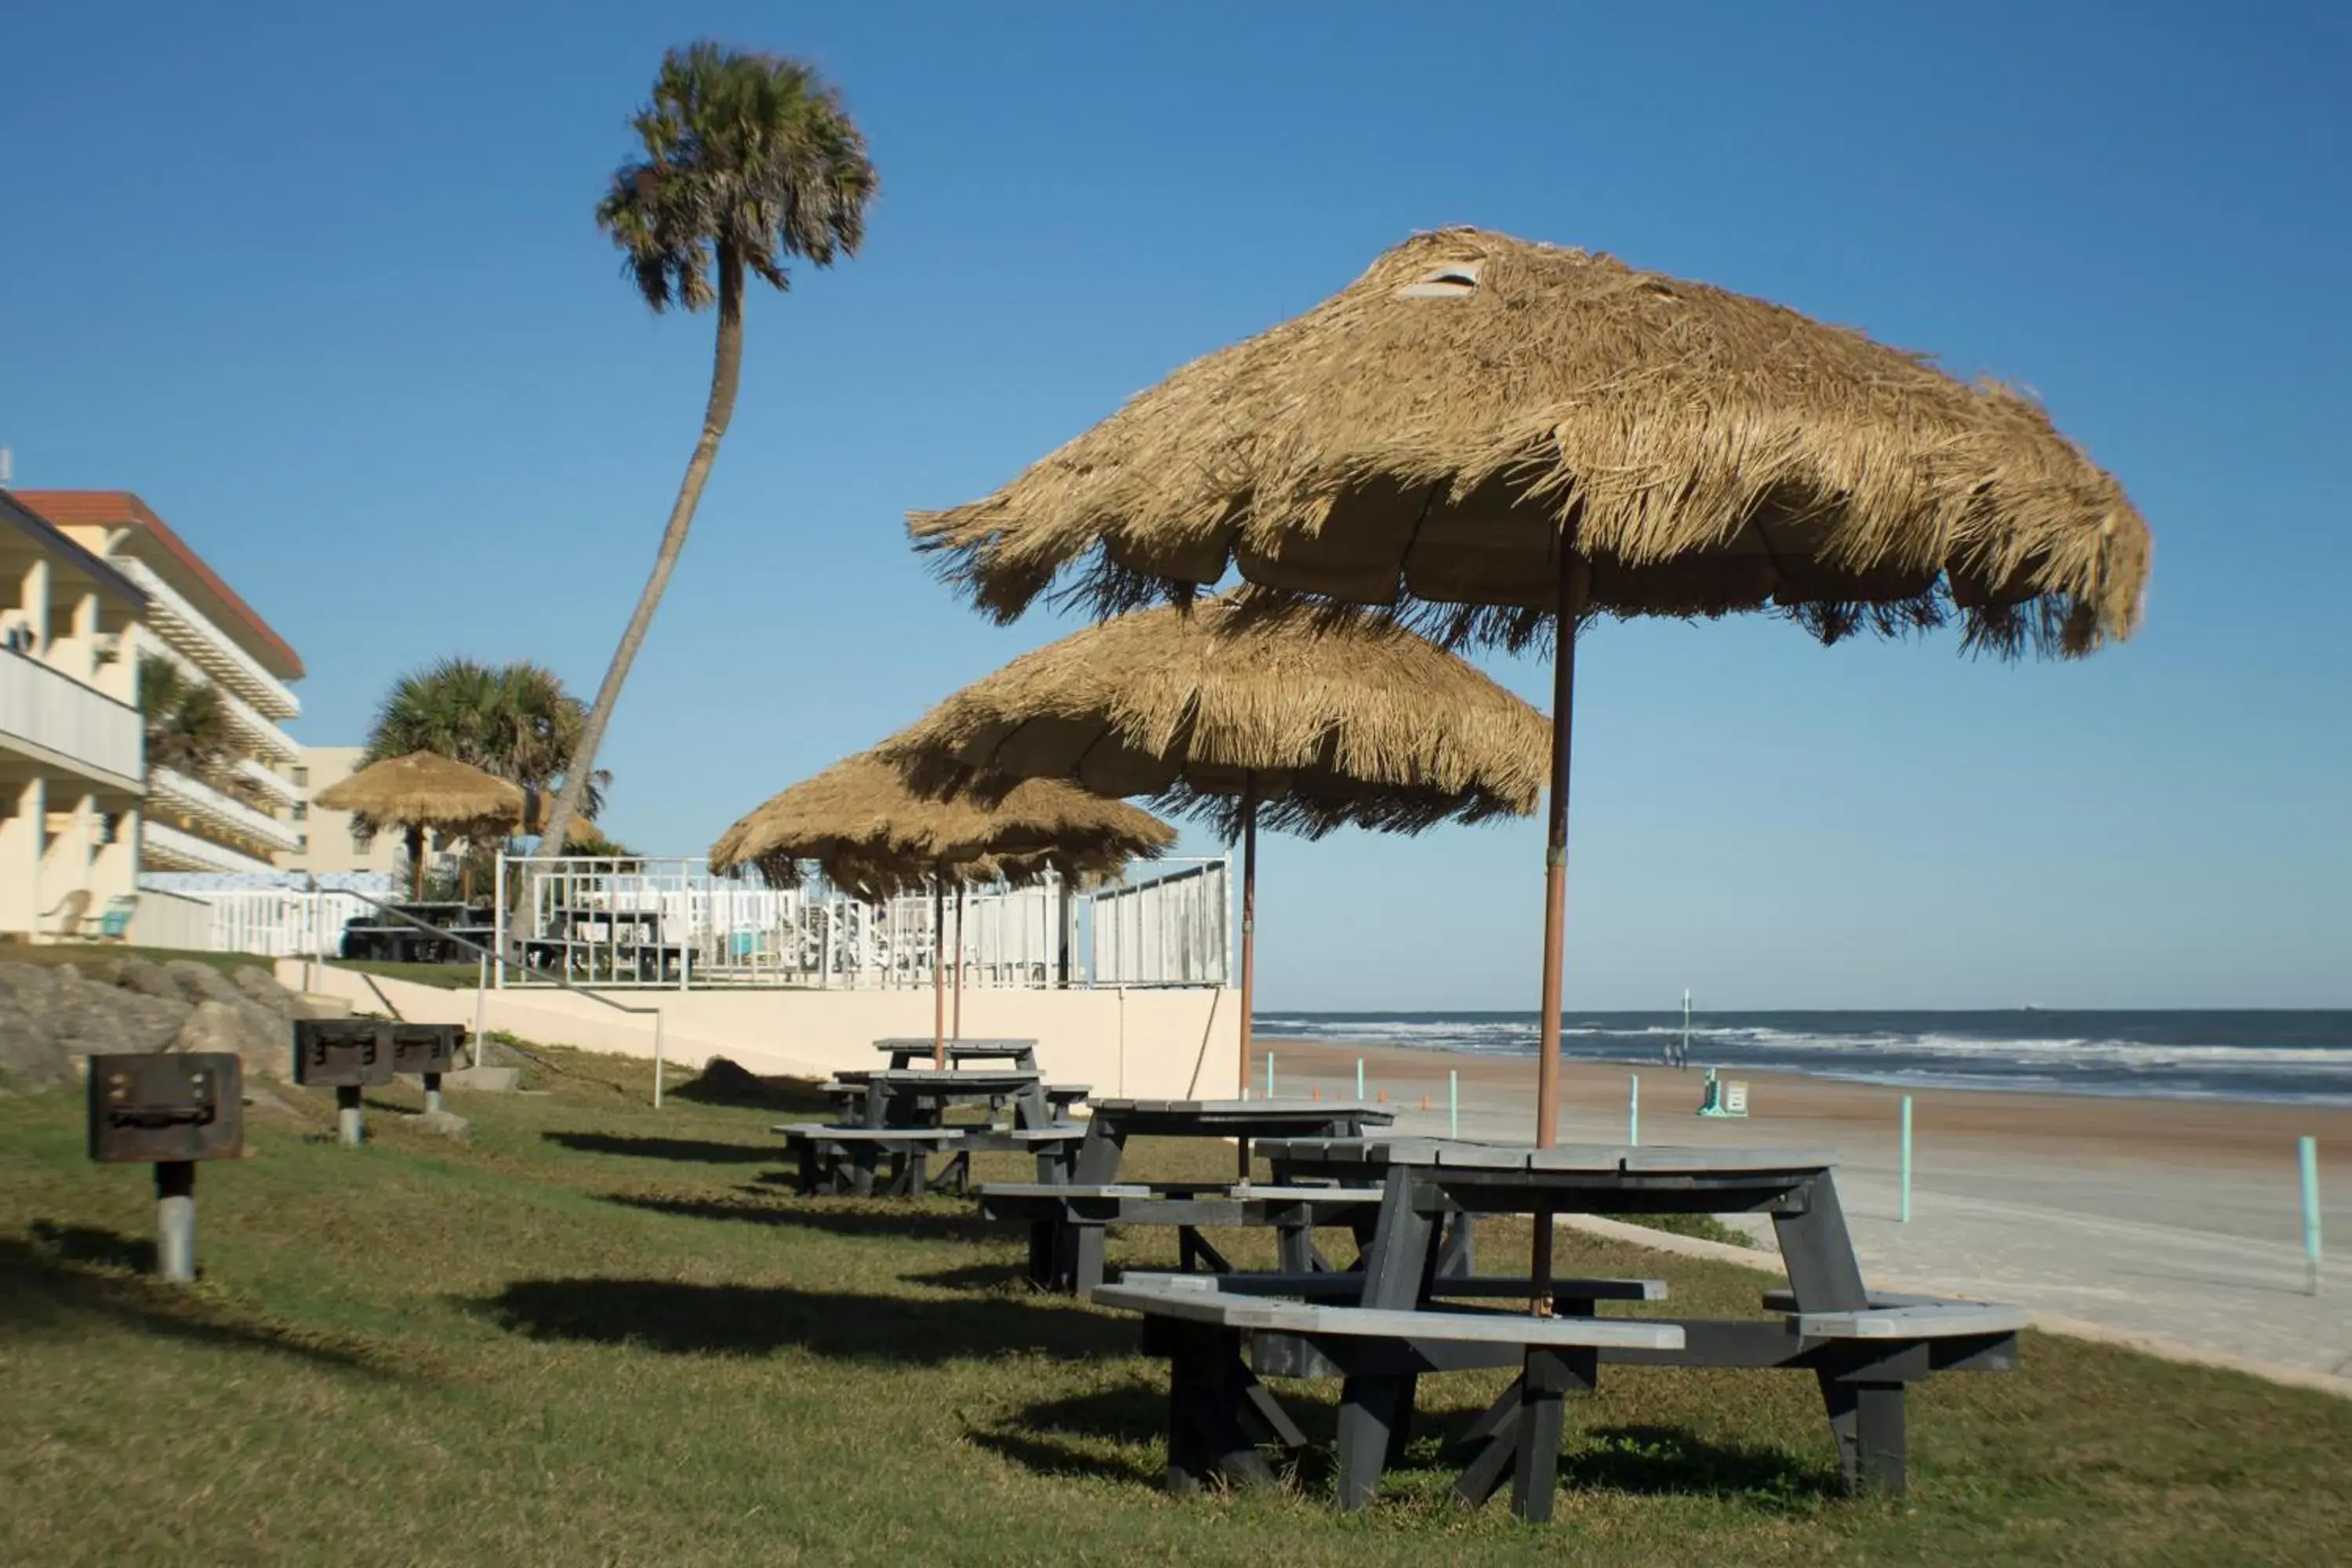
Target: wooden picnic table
x=910, y=1051
x=1863, y=1349
x=915, y=1097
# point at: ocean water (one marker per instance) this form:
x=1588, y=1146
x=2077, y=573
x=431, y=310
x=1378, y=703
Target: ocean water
x=2298, y=1056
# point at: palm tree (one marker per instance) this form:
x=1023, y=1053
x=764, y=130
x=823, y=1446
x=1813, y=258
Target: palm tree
x=747, y=160
x=515, y=720
x=186, y=723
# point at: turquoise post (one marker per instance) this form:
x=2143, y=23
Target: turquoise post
x=1359, y=1077
x=2309, y=1149
x=1633, y=1109
x=1269, y=1075
x=1904, y=1214
x=1453, y=1103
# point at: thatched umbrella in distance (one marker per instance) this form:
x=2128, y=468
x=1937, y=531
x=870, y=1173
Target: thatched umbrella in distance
x=1244, y=710
x=1500, y=439
x=424, y=790
x=872, y=833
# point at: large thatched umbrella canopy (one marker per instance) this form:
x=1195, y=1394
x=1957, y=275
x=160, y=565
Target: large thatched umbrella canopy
x=1245, y=708
x=871, y=832
x=423, y=790
x=1501, y=438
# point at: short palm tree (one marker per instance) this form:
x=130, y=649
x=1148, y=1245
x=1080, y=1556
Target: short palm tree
x=187, y=724
x=747, y=160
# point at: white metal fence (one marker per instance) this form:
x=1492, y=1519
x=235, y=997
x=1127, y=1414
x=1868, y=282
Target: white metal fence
x=645, y=921
x=278, y=922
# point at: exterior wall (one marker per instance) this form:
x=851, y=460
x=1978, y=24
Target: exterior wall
x=1179, y=1044
x=71, y=756
x=169, y=919
x=330, y=845
x=243, y=821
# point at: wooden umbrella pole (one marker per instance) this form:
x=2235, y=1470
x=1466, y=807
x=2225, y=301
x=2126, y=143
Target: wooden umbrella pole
x=938, y=978
x=959, y=963
x=1563, y=730
x=1249, y=937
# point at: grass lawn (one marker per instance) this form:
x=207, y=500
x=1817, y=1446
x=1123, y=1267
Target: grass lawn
x=602, y=1334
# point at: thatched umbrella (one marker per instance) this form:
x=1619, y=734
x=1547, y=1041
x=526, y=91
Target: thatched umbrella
x=1242, y=711
x=426, y=790
x=1500, y=439
x=874, y=835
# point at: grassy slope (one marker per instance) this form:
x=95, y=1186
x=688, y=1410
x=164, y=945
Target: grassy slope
x=599, y=1334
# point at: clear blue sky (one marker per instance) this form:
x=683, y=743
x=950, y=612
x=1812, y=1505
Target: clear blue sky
x=321, y=284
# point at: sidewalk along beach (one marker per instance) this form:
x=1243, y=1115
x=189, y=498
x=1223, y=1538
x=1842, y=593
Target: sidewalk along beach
x=2171, y=1219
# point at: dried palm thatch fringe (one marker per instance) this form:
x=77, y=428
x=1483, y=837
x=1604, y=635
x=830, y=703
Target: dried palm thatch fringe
x=424, y=789
x=1327, y=715
x=1425, y=439
x=873, y=835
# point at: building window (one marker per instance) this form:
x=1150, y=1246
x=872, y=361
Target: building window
x=362, y=837
x=302, y=811
x=109, y=828
x=302, y=778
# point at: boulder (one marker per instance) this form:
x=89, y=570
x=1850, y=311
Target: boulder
x=31, y=986
x=201, y=983
x=31, y=1055
x=92, y=1019
x=446, y=1124
x=245, y=1031
x=259, y=985
x=148, y=979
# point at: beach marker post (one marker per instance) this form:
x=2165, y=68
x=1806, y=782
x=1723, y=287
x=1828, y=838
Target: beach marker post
x=1269, y=1075
x=1903, y=1211
x=1633, y=1109
x=1359, y=1077
x=1452, y=1102
x=2307, y=1149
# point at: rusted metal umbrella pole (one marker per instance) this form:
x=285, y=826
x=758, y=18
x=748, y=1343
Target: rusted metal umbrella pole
x=959, y=963
x=939, y=976
x=1547, y=1025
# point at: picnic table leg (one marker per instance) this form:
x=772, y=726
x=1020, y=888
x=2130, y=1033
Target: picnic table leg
x=1458, y=1258
x=861, y=1169
x=1864, y=1396
x=1294, y=1246
x=1376, y=1411
x=1260, y=1411
x=1825, y=1277
x=810, y=1166
x=918, y=1173
x=1369, y=1407
x=1535, y=1472
x=1087, y=1264
x=1488, y=1449
x=1206, y=1401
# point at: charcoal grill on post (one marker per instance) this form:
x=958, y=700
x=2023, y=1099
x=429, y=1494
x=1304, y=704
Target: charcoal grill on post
x=427, y=1051
x=168, y=1109
x=347, y=1053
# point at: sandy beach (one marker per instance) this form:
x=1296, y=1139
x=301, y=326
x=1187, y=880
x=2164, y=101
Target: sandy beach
x=2173, y=1220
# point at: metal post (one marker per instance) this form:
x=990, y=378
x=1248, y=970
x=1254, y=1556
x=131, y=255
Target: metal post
x=432, y=1093
x=175, y=1220
x=1359, y=1077
x=349, y=1123
x=317, y=940
x=658, y=1059
x=1633, y=1109
x=482, y=1000
x=1453, y=1103
x=959, y=964
x=938, y=971
x=1903, y=1213
x=1249, y=914
x=2308, y=1148
x=1269, y=1075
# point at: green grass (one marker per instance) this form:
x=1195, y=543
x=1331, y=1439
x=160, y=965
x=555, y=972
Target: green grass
x=601, y=1335
x=82, y=952
x=447, y=976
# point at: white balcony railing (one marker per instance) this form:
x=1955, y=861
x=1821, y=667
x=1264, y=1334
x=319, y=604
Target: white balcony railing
x=50, y=709
x=200, y=803
x=256, y=732
x=276, y=785
x=180, y=624
x=164, y=848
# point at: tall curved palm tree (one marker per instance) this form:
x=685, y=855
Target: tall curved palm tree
x=187, y=724
x=747, y=160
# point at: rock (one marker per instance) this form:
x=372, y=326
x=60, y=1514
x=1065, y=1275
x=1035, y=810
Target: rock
x=446, y=1123
x=489, y=1080
x=31, y=1055
x=201, y=983
x=93, y=1018
x=32, y=986
x=259, y=985
x=148, y=979
x=226, y=1027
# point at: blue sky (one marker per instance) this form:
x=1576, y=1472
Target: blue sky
x=321, y=284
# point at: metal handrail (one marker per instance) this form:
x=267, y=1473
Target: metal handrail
x=318, y=940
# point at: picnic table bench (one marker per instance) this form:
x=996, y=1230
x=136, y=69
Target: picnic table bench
x=1215, y=1399
x=1863, y=1348
x=846, y=1161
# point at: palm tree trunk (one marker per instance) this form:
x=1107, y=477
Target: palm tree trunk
x=726, y=374
x=416, y=862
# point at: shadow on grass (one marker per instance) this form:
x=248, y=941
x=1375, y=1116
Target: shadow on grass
x=756, y=1319
x=56, y=1283
x=1107, y=1435
x=832, y=1216
x=725, y=1083
x=691, y=1151
x=978, y=1277
x=1662, y=1460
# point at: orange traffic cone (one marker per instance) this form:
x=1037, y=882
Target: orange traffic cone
x=1384, y=1097
x=1318, y=1092
x=1424, y=1102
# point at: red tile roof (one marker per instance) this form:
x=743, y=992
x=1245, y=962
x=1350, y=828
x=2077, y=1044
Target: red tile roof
x=121, y=508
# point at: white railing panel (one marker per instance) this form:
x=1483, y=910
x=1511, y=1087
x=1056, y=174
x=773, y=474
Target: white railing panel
x=57, y=713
